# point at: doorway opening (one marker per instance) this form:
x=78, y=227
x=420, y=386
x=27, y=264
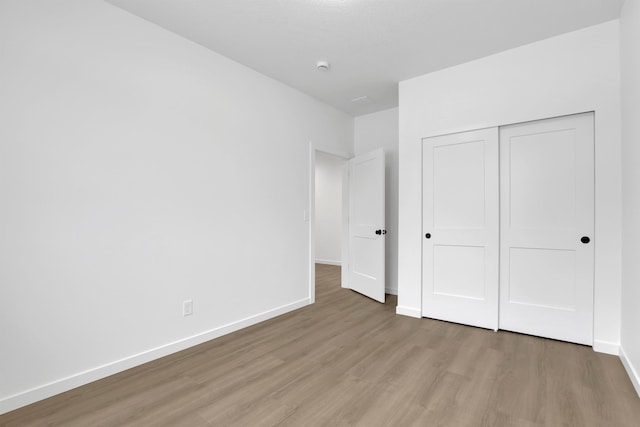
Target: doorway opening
x=328, y=208
x=327, y=228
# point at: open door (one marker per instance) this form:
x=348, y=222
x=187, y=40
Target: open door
x=367, y=225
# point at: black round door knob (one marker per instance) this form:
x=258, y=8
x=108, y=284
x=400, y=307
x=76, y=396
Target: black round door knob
x=585, y=239
x=428, y=235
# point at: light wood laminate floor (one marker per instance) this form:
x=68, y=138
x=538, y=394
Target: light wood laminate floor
x=348, y=360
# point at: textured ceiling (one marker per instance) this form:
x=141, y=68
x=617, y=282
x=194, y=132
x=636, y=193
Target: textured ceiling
x=371, y=44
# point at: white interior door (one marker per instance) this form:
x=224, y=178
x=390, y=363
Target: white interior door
x=460, y=228
x=547, y=224
x=367, y=225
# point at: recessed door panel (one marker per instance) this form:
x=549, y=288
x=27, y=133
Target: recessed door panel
x=543, y=278
x=450, y=278
x=364, y=257
x=458, y=193
x=365, y=200
x=542, y=180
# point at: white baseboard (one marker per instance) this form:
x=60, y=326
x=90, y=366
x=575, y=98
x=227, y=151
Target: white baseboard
x=328, y=261
x=409, y=311
x=631, y=370
x=606, y=347
x=392, y=291
x=64, y=384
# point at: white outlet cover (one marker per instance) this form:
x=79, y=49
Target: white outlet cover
x=187, y=308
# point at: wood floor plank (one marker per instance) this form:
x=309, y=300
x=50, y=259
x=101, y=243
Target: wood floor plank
x=350, y=361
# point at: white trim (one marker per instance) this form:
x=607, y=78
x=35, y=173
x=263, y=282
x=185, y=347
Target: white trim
x=606, y=347
x=329, y=262
x=391, y=291
x=409, y=311
x=312, y=223
x=59, y=386
x=344, y=271
x=631, y=370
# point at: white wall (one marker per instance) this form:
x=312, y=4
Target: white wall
x=572, y=73
x=138, y=170
x=328, y=218
x=630, y=42
x=374, y=131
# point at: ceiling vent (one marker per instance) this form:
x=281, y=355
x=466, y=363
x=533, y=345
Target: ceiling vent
x=362, y=100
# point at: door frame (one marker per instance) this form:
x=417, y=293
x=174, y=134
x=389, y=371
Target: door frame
x=311, y=212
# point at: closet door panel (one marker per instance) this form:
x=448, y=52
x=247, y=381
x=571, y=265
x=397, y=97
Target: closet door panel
x=547, y=207
x=460, y=228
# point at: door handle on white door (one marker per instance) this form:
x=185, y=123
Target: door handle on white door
x=585, y=239
x=381, y=232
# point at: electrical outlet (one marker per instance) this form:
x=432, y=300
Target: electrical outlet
x=187, y=307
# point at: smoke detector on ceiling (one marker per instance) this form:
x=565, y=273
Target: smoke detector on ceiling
x=322, y=65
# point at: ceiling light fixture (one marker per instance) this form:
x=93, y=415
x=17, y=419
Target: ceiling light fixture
x=322, y=65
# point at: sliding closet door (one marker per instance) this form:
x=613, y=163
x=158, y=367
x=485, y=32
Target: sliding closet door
x=547, y=224
x=460, y=228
